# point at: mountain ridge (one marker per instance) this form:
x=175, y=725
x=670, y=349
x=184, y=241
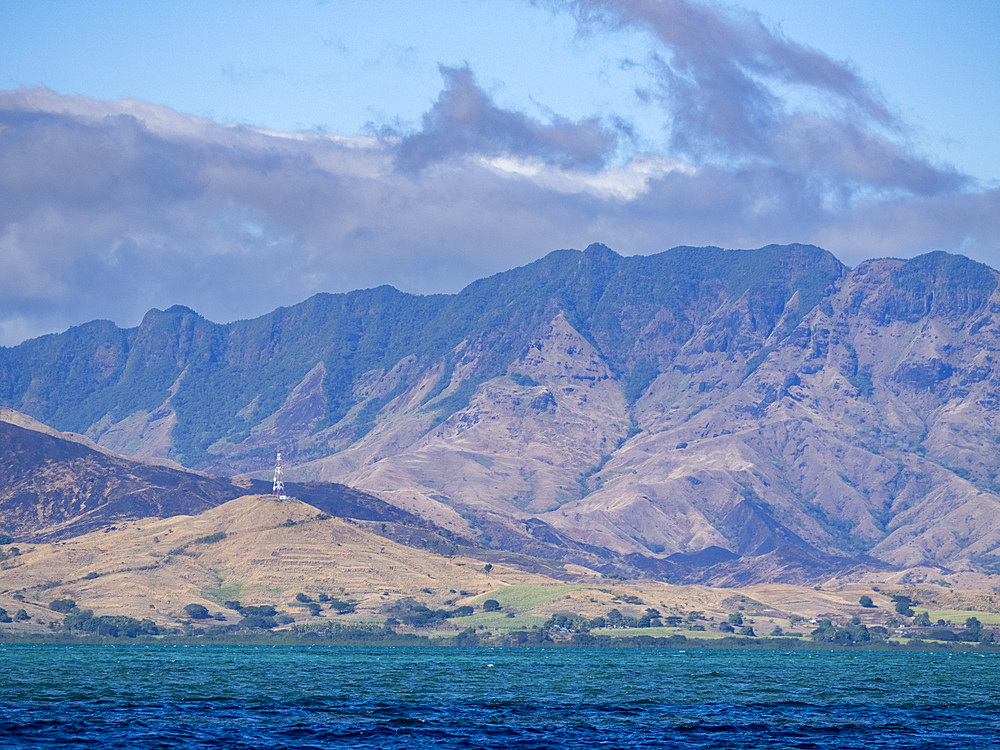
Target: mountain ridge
x=653, y=406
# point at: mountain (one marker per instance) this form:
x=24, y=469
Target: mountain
x=700, y=414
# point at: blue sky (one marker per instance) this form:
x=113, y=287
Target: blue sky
x=343, y=66
x=441, y=142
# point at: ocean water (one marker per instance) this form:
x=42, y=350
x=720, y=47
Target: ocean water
x=326, y=697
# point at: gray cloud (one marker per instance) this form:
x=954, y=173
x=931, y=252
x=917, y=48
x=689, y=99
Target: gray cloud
x=724, y=77
x=110, y=208
x=464, y=120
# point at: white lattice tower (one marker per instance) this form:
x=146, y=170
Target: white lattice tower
x=278, y=489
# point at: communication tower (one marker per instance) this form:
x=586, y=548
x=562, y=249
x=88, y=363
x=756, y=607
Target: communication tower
x=278, y=489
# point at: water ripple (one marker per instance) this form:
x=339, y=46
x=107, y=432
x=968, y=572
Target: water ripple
x=251, y=698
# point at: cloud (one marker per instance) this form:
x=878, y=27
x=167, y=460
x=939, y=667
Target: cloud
x=110, y=208
x=735, y=90
x=464, y=120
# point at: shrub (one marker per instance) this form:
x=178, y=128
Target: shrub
x=258, y=621
x=467, y=637
x=21, y=615
x=941, y=634
x=341, y=607
x=197, y=612
x=261, y=610
x=62, y=605
x=866, y=602
x=109, y=625
x=411, y=612
x=491, y=605
x=218, y=536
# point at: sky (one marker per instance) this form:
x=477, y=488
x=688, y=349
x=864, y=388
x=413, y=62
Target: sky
x=237, y=156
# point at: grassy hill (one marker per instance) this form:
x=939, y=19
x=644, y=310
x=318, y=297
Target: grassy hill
x=260, y=551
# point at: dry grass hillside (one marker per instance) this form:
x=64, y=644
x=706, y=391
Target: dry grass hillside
x=258, y=550
x=270, y=552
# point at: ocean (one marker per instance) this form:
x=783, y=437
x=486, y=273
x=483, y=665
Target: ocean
x=177, y=696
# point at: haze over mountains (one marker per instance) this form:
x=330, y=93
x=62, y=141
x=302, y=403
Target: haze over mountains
x=703, y=414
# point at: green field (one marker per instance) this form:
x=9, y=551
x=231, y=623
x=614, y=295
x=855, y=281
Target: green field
x=499, y=621
x=959, y=616
x=521, y=596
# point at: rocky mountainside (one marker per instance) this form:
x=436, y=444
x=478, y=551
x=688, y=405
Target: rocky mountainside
x=712, y=415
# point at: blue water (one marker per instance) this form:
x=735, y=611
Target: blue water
x=316, y=697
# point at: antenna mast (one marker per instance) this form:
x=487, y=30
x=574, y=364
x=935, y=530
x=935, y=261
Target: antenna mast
x=278, y=489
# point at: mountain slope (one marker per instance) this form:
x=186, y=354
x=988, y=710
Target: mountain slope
x=56, y=486
x=709, y=415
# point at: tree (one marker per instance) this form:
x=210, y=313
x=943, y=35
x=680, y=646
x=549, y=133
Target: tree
x=258, y=621
x=904, y=604
x=922, y=620
x=859, y=633
x=259, y=610
x=21, y=615
x=487, y=568
x=866, y=602
x=340, y=606
x=467, y=637
x=941, y=634
x=197, y=612
x=491, y=605
x=736, y=619
x=62, y=605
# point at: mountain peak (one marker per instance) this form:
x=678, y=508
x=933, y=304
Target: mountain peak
x=600, y=250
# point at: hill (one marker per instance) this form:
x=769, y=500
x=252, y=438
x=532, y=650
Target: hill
x=58, y=485
x=701, y=415
x=260, y=552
